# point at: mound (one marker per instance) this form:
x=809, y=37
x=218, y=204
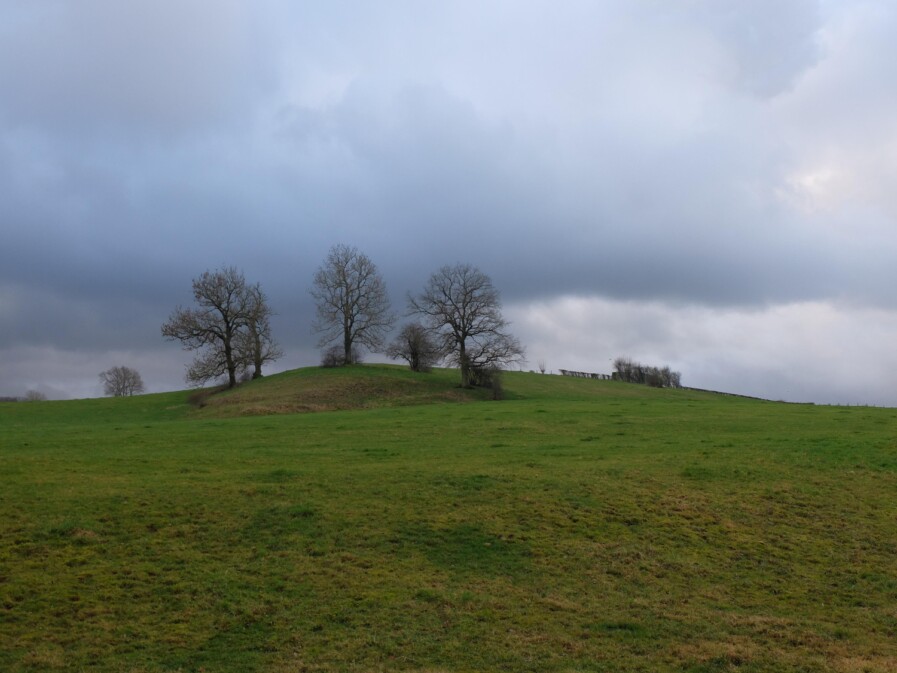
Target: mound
x=314, y=389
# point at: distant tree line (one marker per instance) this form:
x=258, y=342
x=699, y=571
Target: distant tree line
x=30, y=396
x=629, y=371
x=584, y=375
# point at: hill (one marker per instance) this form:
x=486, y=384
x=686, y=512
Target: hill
x=577, y=526
x=381, y=386
x=356, y=387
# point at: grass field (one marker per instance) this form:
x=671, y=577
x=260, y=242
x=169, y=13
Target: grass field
x=410, y=526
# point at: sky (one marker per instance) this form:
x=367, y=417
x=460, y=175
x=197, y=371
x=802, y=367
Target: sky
x=700, y=184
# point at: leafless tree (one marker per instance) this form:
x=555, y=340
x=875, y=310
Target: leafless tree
x=333, y=356
x=255, y=343
x=416, y=345
x=542, y=366
x=463, y=307
x=121, y=382
x=229, y=321
x=352, y=304
x=35, y=396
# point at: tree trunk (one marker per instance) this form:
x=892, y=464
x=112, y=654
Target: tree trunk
x=231, y=366
x=465, y=367
x=257, y=374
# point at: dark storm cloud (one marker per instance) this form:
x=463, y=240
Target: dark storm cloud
x=431, y=181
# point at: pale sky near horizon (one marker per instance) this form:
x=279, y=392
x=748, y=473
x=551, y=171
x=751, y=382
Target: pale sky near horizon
x=701, y=184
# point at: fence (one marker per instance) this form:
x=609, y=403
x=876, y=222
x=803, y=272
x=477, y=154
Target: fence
x=585, y=375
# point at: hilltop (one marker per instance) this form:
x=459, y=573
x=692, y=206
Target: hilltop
x=330, y=389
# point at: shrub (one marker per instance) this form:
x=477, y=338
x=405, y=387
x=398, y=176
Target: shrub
x=335, y=357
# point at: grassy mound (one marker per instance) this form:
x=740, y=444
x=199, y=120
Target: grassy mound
x=580, y=526
x=355, y=387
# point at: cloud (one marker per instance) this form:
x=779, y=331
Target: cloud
x=803, y=352
x=101, y=65
x=768, y=45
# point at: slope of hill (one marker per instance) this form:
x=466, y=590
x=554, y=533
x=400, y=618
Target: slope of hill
x=579, y=526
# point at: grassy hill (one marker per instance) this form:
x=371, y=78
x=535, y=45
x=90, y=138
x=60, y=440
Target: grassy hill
x=576, y=526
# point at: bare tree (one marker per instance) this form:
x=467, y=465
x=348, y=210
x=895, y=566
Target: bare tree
x=121, y=382
x=229, y=328
x=464, y=309
x=416, y=345
x=34, y=396
x=629, y=371
x=352, y=304
x=542, y=366
x=255, y=343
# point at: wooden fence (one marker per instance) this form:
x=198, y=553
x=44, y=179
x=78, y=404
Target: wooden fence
x=585, y=375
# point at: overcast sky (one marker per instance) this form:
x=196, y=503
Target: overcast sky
x=705, y=184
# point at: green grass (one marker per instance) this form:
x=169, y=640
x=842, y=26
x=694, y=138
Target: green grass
x=576, y=526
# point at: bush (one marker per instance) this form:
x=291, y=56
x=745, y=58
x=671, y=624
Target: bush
x=417, y=346
x=335, y=357
x=332, y=357
x=488, y=377
x=634, y=372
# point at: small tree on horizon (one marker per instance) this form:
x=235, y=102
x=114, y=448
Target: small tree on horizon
x=121, y=382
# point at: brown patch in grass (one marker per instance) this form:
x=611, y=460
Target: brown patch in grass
x=735, y=651
x=865, y=664
x=330, y=390
x=45, y=657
